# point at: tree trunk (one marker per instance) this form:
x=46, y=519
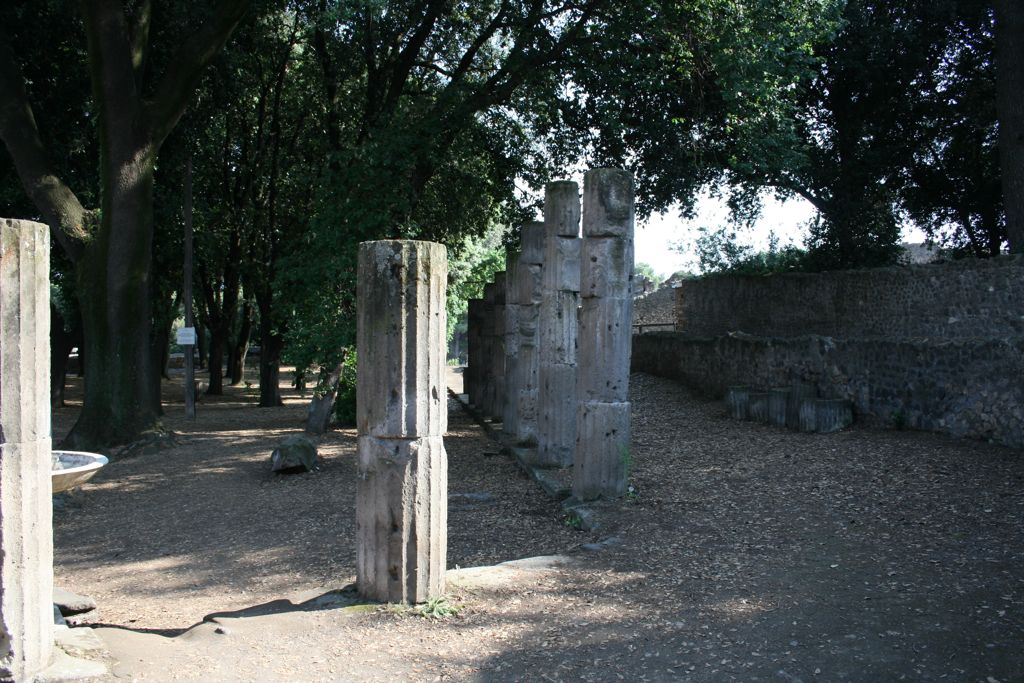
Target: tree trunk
x=1010, y=110
x=322, y=405
x=122, y=383
x=216, y=361
x=271, y=344
x=201, y=344
x=240, y=347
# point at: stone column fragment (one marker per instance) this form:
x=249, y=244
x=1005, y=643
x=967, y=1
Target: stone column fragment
x=557, y=326
x=528, y=289
x=602, y=459
x=497, y=368
x=485, y=376
x=401, y=415
x=26, y=511
x=510, y=398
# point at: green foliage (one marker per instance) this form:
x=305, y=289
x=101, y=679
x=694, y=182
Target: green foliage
x=439, y=607
x=470, y=267
x=345, y=399
x=719, y=252
x=645, y=270
x=573, y=520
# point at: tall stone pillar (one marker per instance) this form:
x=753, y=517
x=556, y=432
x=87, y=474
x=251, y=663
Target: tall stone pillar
x=402, y=492
x=26, y=510
x=528, y=297
x=474, y=358
x=510, y=395
x=486, y=376
x=497, y=373
x=605, y=336
x=556, y=395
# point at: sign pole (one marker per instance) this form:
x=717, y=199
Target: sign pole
x=189, y=337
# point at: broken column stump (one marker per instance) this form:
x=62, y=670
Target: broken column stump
x=509, y=403
x=26, y=509
x=401, y=495
x=602, y=457
x=737, y=401
x=556, y=392
x=474, y=353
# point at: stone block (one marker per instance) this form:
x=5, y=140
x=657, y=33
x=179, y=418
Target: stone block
x=26, y=566
x=531, y=243
x=561, y=271
x=527, y=318
x=604, y=339
x=607, y=267
x=833, y=414
x=608, y=203
x=556, y=415
x=294, y=454
x=737, y=402
x=526, y=424
x=561, y=210
x=25, y=331
x=558, y=328
x=778, y=400
x=603, y=457
x=401, y=518
x=797, y=394
x=401, y=385
x=529, y=282
x=808, y=415
x=758, y=406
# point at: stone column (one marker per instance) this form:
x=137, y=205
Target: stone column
x=485, y=377
x=402, y=492
x=602, y=459
x=556, y=392
x=474, y=359
x=528, y=296
x=497, y=374
x=26, y=510
x=510, y=394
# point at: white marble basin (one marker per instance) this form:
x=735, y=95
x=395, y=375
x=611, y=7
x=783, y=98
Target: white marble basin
x=71, y=468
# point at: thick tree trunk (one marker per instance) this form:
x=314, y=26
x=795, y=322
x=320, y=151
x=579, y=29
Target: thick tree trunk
x=201, y=347
x=270, y=368
x=1010, y=110
x=121, y=380
x=240, y=347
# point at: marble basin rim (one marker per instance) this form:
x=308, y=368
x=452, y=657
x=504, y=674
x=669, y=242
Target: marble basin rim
x=72, y=468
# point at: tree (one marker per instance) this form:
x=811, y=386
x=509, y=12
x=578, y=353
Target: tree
x=1010, y=85
x=137, y=104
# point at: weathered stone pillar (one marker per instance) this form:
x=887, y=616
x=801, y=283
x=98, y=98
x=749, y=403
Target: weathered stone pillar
x=510, y=394
x=528, y=296
x=486, y=351
x=474, y=357
x=497, y=374
x=602, y=460
x=402, y=492
x=556, y=392
x=26, y=510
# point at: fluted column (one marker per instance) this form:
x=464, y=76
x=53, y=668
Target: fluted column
x=401, y=495
x=602, y=459
x=26, y=511
x=556, y=395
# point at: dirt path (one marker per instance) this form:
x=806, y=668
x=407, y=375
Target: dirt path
x=748, y=553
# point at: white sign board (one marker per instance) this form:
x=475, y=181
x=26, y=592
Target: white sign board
x=186, y=336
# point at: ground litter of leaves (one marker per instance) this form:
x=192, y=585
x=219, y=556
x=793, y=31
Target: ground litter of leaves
x=747, y=553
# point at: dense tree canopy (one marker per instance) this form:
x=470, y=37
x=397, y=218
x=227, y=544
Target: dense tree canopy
x=313, y=125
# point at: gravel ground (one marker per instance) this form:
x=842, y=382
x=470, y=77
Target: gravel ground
x=746, y=553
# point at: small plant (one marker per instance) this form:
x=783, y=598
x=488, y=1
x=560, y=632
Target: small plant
x=439, y=607
x=898, y=420
x=632, y=495
x=573, y=520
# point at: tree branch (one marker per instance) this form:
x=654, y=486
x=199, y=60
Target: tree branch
x=56, y=202
x=187, y=65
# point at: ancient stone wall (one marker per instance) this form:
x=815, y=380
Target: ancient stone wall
x=657, y=309
x=967, y=299
x=962, y=387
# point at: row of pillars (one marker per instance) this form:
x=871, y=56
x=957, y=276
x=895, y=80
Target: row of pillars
x=549, y=343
